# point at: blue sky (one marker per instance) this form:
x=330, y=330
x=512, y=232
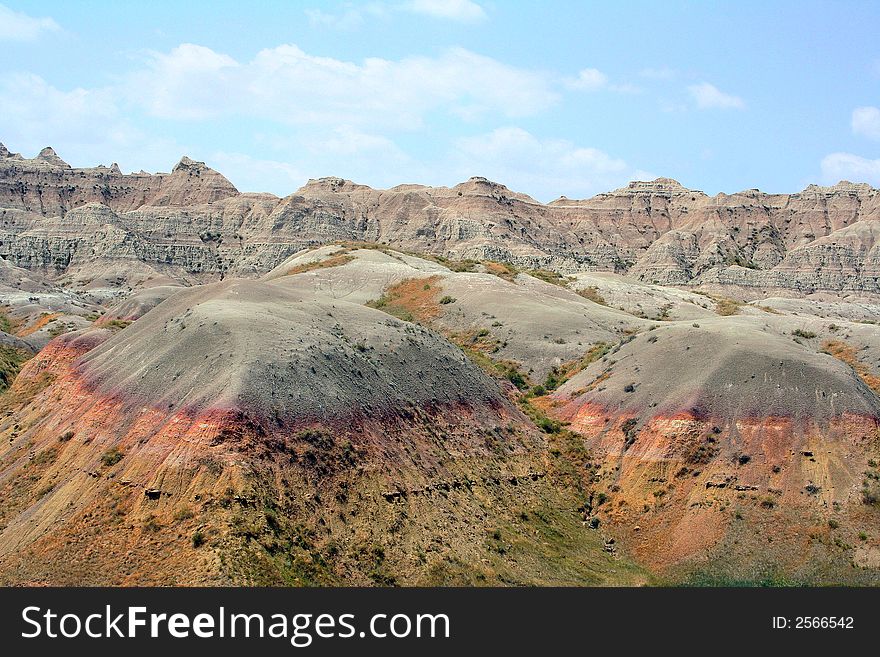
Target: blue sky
x=550, y=98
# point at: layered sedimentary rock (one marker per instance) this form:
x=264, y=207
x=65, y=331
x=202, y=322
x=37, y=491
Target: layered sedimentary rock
x=193, y=225
x=47, y=185
x=729, y=450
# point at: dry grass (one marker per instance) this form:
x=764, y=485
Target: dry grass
x=844, y=352
x=8, y=324
x=726, y=307
x=332, y=261
x=549, y=276
x=412, y=300
x=11, y=360
x=501, y=270
x=42, y=320
x=480, y=340
x=592, y=293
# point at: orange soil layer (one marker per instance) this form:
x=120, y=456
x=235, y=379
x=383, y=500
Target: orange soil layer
x=40, y=323
x=847, y=354
x=671, y=482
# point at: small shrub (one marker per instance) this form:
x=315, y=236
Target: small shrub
x=447, y=300
x=183, y=513
x=151, y=524
x=547, y=425
x=833, y=524
x=800, y=333
x=198, y=539
x=64, y=437
x=111, y=457
x=516, y=379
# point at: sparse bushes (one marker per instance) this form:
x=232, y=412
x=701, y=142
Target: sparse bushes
x=66, y=436
x=516, y=379
x=446, y=299
x=333, y=261
x=592, y=293
x=549, y=276
x=547, y=425
x=800, y=333
x=554, y=379
x=151, y=524
x=726, y=307
x=112, y=456
x=183, y=513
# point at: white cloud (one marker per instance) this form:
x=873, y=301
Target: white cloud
x=349, y=17
x=286, y=84
x=866, y=122
x=194, y=73
x=708, y=96
x=846, y=166
x=589, y=79
x=251, y=174
x=592, y=79
x=546, y=168
x=464, y=11
x=83, y=122
x=348, y=141
x=18, y=26
x=347, y=20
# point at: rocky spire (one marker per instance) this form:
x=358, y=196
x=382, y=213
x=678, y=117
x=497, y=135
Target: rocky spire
x=49, y=155
x=187, y=164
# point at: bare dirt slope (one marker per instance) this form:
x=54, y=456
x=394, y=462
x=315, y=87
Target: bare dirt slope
x=243, y=432
x=508, y=314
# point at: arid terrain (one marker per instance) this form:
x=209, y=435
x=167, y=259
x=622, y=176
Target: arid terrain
x=434, y=386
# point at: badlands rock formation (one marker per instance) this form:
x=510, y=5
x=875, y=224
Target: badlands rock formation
x=434, y=385
x=194, y=226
